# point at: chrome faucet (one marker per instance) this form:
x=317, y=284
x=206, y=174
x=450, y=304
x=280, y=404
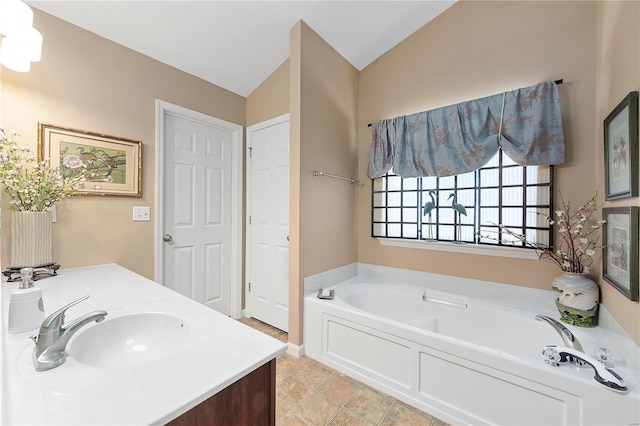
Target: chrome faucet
x=51, y=341
x=568, y=338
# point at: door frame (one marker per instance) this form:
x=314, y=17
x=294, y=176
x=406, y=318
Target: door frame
x=165, y=108
x=250, y=130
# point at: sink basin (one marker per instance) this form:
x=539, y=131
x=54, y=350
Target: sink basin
x=130, y=340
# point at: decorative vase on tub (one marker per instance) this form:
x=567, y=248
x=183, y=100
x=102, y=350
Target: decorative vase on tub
x=577, y=295
x=577, y=299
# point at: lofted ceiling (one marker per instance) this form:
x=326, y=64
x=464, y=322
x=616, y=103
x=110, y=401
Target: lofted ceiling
x=238, y=44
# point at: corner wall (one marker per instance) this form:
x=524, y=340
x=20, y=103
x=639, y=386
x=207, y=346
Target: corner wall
x=87, y=82
x=618, y=73
x=479, y=48
x=324, y=98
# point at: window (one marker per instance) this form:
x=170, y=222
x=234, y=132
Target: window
x=501, y=192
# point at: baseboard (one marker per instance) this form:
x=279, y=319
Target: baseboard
x=295, y=350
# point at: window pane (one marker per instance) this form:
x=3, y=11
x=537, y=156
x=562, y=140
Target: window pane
x=538, y=174
x=428, y=232
x=394, y=215
x=537, y=217
x=490, y=197
x=379, y=199
x=445, y=232
x=511, y=196
x=393, y=183
x=469, y=218
x=448, y=182
x=409, y=198
x=466, y=234
x=393, y=230
x=379, y=230
x=512, y=176
x=489, y=216
x=409, y=231
x=430, y=182
x=379, y=215
x=467, y=180
x=410, y=215
x=489, y=177
x=379, y=184
x=466, y=197
x=512, y=217
x=393, y=198
x=445, y=215
x=541, y=236
x=410, y=184
x=537, y=195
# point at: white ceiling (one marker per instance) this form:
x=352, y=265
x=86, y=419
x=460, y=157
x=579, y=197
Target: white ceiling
x=238, y=44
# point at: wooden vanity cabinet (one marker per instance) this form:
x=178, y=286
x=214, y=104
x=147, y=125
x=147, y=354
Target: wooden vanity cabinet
x=249, y=401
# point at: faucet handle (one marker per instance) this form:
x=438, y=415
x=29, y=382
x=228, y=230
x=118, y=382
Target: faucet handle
x=55, y=321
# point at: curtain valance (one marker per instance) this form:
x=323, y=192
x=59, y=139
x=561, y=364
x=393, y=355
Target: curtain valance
x=460, y=138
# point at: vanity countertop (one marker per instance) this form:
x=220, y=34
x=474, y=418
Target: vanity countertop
x=218, y=352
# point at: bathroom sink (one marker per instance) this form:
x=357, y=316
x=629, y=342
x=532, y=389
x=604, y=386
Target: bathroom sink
x=130, y=340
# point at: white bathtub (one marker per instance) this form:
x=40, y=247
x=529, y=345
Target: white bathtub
x=469, y=354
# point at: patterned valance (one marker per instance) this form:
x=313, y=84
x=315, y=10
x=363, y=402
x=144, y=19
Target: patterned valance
x=460, y=138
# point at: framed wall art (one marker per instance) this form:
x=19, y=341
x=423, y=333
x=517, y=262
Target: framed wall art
x=620, y=256
x=621, y=150
x=114, y=164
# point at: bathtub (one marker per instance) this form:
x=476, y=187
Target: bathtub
x=466, y=351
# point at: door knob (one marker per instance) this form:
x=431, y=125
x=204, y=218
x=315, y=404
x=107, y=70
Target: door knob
x=167, y=238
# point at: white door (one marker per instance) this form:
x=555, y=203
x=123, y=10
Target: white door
x=268, y=222
x=197, y=215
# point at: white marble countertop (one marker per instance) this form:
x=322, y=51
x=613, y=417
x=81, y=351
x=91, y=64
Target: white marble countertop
x=218, y=352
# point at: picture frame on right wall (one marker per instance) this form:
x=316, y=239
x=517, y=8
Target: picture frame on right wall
x=620, y=252
x=621, y=150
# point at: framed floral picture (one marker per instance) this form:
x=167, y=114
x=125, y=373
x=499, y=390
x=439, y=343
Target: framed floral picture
x=621, y=149
x=113, y=164
x=620, y=241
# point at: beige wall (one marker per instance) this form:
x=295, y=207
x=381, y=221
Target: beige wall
x=481, y=48
x=618, y=73
x=324, y=96
x=84, y=81
x=271, y=98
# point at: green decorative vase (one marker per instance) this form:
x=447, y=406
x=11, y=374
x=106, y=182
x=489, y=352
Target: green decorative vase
x=577, y=298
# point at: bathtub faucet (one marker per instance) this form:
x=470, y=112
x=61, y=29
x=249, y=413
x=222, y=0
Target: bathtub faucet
x=569, y=339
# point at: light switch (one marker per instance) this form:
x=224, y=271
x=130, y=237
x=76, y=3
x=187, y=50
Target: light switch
x=141, y=214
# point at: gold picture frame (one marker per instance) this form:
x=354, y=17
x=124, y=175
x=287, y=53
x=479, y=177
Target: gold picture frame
x=114, y=164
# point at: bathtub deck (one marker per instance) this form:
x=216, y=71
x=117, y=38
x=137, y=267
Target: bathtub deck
x=310, y=393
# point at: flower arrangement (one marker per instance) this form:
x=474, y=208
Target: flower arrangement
x=35, y=186
x=578, y=237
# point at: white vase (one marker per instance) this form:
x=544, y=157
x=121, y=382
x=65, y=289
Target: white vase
x=30, y=239
x=577, y=298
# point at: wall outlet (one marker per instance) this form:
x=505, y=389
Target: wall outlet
x=141, y=214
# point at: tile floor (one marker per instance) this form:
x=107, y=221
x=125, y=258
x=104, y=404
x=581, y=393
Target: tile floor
x=310, y=393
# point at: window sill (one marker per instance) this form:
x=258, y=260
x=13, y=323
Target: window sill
x=518, y=253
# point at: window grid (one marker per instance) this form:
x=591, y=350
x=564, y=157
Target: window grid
x=397, y=209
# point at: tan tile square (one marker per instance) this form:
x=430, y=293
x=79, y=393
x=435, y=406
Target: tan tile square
x=290, y=391
x=337, y=388
x=369, y=403
x=290, y=420
x=348, y=418
x=316, y=409
x=311, y=372
x=403, y=414
x=287, y=364
x=280, y=411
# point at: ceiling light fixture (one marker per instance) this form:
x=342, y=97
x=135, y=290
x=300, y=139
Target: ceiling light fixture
x=20, y=43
